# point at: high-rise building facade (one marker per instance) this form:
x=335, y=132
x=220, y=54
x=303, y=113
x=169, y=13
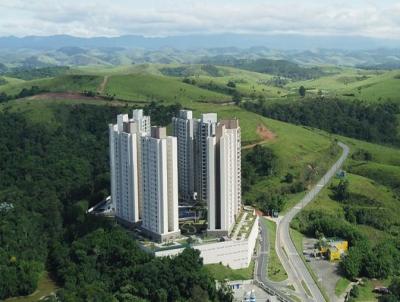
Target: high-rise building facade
x=205, y=128
x=159, y=189
x=224, y=176
x=184, y=129
x=124, y=139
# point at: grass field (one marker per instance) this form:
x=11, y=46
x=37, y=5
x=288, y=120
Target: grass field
x=351, y=83
x=276, y=272
x=65, y=83
x=147, y=87
x=366, y=293
x=221, y=272
x=341, y=286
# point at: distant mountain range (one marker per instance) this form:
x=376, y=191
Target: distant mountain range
x=285, y=42
x=38, y=52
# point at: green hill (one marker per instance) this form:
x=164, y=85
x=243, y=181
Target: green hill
x=147, y=87
x=350, y=83
x=65, y=83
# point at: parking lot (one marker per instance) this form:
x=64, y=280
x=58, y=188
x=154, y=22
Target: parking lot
x=326, y=271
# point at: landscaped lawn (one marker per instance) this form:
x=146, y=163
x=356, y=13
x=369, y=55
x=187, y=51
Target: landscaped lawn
x=221, y=272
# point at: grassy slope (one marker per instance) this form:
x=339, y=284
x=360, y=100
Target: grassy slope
x=66, y=83
x=374, y=86
x=375, y=179
x=147, y=87
x=247, y=82
x=221, y=272
x=366, y=187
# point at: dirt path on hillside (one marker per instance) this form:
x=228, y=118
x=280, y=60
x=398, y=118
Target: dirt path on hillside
x=265, y=135
x=103, y=85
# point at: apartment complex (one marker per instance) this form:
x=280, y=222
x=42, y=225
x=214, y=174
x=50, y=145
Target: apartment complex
x=151, y=171
x=184, y=128
x=224, y=177
x=206, y=127
x=213, y=149
x=192, y=137
x=160, y=185
x=124, y=141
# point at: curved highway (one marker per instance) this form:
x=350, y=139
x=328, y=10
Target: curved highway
x=285, y=248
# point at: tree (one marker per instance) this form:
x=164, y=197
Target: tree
x=302, y=91
x=289, y=178
x=395, y=287
x=354, y=292
x=231, y=84
x=341, y=191
x=225, y=293
x=263, y=160
x=236, y=98
x=352, y=263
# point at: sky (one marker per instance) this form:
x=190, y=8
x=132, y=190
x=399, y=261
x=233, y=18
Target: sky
x=89, y=18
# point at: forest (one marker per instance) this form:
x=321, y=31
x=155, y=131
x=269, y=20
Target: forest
x=51, y=174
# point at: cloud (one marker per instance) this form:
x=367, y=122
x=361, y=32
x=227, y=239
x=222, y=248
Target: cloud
x=163, y=18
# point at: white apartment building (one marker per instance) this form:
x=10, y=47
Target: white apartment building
x=184, y=129
x=206, y=127
x=224, y=177
x=159, y=189
x=124, y=140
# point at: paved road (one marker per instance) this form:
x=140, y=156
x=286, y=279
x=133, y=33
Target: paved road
x=262, y=256
x=261, y=267
x=293, y=264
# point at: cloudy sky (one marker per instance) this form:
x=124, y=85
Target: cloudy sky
x=87, y=18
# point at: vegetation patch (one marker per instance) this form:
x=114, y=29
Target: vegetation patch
x=341, y=286
x=275, y=272
x=221, y=272
x=36, y=73
x=280, y=68
x=375, y=123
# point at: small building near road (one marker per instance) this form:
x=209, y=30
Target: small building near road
x=333, y=248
